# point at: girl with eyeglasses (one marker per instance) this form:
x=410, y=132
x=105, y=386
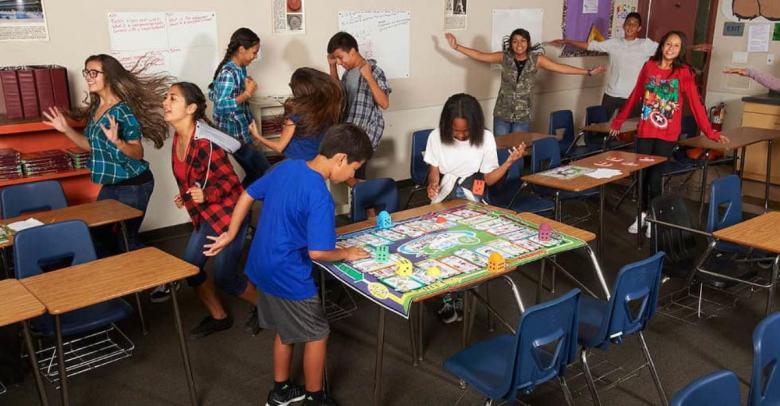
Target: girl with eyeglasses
x=113, y=132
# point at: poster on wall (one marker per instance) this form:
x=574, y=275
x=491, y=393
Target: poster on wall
x=579, y=25
x=382, y=36
x=752, y=10
x=23, y=20
x=455, y=15
x=289, y=17
x=619, y=17
x=184, y=44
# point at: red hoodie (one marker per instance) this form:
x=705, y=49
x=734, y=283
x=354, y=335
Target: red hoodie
x=662, y=103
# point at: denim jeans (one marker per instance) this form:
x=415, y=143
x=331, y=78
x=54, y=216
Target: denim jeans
x=136, y=196
x=503, y=127
x=228, y=275
x=253, y=163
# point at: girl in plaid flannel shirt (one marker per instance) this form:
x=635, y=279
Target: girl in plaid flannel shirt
x=208, y=190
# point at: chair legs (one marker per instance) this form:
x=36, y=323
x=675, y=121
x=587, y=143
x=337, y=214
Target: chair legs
x=566, y=391
x=653, y=372
x=589, y=378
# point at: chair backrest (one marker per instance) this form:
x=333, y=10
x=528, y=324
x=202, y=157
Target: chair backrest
x=546, y=342
x=500, y=194
x=16, y=200
x=52, y=246
x=725, y=203
x=379, y=194
x=545, y=154
x=718, y=388
x=765, y=382
x=562, y=120
x=634, y=298
x=679, y=245
x=418, y=169
x=593, y=115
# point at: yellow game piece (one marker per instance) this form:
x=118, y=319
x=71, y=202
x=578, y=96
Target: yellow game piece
x=496, y=262
x=433, y=272
x=403, y=268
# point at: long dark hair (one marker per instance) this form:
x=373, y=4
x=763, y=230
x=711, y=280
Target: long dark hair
x=463, y=106
x=681, y=60
x=522, y=32
x=143, y=92
x=317, y=100
x=193, y=95
x=242, y=37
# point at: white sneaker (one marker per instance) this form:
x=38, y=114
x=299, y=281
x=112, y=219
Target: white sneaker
x=648, y=230
x=633, y=228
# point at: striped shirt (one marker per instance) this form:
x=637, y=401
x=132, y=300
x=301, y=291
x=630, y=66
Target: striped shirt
x=362, y=110
x=108, y=164
x=229, y=116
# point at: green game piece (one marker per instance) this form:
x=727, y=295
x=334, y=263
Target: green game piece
x=382, y=253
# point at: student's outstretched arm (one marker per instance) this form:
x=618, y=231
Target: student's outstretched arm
x=55, y=119
x=561, y=42
x=491, y=57
x=278, y=145
x=339, y=254
x=239, y=214
x=546, y=63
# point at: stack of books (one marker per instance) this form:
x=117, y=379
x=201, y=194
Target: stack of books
x=79, y=158
x=10, y=164
x=44, y=162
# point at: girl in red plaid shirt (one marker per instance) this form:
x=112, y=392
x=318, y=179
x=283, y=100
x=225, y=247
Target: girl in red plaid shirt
x=208, y=190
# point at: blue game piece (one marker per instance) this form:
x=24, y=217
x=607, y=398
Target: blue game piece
x=383, y=220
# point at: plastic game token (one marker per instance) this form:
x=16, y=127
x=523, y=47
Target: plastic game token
x=602, y=164
x=403, y=268
x=441, y=220
x=615, y=159
x=433, y=271
x=630, y=164
x=647, y=159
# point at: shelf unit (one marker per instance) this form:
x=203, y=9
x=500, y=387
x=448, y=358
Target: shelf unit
x=33, y=135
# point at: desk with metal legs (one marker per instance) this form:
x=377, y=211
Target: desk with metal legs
x=83, y=285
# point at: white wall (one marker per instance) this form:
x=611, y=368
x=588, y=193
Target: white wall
x=78, y=28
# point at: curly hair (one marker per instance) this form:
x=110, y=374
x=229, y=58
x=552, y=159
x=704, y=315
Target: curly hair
x=143, y=92
x=317, y=99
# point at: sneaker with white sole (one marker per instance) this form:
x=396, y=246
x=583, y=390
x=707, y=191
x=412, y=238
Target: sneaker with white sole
x=634, y=227
x=287, y=394
x=162, y=293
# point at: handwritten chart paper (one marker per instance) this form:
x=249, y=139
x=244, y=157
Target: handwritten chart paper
x=383, y=36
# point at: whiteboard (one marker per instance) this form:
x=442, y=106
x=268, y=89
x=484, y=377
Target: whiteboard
x=382, y=36
x=507, y=20
x=183, y=44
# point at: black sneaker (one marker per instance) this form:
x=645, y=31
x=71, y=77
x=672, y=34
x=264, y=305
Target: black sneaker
x=290, y=393
x=210, y=325
x=252, y=325
x=447, y=313
x=318, y=399
x=162, y=293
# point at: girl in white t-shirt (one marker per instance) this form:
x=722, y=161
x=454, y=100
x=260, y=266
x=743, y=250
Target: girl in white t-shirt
x=462, y=153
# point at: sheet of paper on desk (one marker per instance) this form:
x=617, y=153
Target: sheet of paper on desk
x=602, y=173
x=25, y=224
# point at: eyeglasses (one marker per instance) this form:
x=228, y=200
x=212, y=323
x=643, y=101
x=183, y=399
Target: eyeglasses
x=92, y=73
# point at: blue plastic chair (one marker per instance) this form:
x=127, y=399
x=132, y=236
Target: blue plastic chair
x=507, y=193
x=541, y=348
x=379, y=194
x=633, y=303
x=716, y=389
x=38, y=249
x=418, y=169
x=16, y=200
x=564, y=120
x=765, y=382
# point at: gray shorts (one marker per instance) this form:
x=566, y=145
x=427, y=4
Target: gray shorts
x=296, y=321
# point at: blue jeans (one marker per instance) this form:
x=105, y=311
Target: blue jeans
x=253, y=163
x=503, y=127
x=228, y=276
x=136, y=196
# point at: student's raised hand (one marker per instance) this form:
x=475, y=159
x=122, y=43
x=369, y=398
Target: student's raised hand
x=433, y=190
x=613, y=132
x=516, y=153
x=451, y=40
x=598, y=70
x=355, y=253
x=55, y=119
x=365, y=69
x=178, y=201
x=702, y=47
x=736, y=71
x=332, y=60
x=253, y=129
x=112, y=132
x=250, y=85
x=196, y=194
x=723, y=139
x=219, y=243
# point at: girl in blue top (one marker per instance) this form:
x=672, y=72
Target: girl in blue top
x=315, y=106
x=230, y=92
x=113, y=132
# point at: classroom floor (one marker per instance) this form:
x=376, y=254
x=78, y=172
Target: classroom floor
x=233, y=368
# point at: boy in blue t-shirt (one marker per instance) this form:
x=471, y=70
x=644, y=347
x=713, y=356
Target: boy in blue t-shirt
x=297, y=225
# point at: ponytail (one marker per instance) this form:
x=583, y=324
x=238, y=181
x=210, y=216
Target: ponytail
x=242, y=37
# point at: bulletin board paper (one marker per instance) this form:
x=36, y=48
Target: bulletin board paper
x=577, y=24
x=382, y=36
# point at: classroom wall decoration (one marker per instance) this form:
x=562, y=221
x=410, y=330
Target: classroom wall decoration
x=25, y=22
x=455, y=15
x=619, y=14
x=180, y=43
x=583, y=19
x=754, y=10
x=289, y=17
x=382, y=36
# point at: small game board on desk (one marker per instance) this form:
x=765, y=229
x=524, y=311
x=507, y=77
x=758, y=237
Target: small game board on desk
x=438, y=251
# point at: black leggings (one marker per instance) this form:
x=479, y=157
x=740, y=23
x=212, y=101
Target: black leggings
x=652, y=175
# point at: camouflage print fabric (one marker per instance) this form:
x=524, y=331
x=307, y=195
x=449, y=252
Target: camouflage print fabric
x=514, y=96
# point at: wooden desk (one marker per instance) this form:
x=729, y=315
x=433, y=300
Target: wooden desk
x=617, y=160
x=466, y=286
x=520, y=137
x=94, y=282
x=17, y=305
x=739, y=138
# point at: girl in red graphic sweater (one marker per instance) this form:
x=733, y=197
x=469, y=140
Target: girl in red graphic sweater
x=663, y=83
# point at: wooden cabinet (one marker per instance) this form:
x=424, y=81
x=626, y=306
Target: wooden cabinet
x=761, y=116
x=32, y=136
